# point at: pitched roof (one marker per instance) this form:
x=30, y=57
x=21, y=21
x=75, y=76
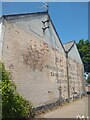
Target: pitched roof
x=68, y=46
x=74, y=54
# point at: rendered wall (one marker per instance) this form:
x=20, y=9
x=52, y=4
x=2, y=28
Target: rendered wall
x=74, y=55
x=36, y=68
x=75, y=79
x=76, y=72
x=34, y=24
x=37, y=60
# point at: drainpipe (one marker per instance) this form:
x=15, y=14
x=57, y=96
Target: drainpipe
x=67, y=76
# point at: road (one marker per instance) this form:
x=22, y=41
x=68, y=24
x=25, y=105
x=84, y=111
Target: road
x=71, y=110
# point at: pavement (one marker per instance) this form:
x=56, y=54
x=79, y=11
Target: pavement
x=71, y=110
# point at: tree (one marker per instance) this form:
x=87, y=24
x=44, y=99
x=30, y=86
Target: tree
x=84, y=50
x=13, y=105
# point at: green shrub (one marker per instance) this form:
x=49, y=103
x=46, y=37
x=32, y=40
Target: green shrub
x=13, y=105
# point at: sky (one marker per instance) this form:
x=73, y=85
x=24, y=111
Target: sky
x=69, y=18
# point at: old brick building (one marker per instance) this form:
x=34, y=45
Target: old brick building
x=75, y=69
x=32, y=50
